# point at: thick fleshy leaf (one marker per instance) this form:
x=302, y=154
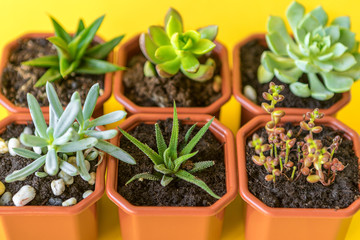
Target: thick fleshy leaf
x=173, y=26
x=141, y=176
x=326, y=56
x=37, y=116
x=333, y=32
x=294, y=14
x=165, y=53
x=209, y=32
x=294, y=53
x=51, y=163
x=168, y=161
x=276, y=27
x=174, y=135
x=203, y=46
x=309, y=23
x=45, y=61
x=23, y=152
x=154, y=157
x=108, y=118
x=169, y=68
x=192, y=179
x=149, y=69
x=172, y=13
x=67, y=67
x=204, y=73
x=33, y=141
x=188, y=133
x=161, y=168
x=300, y=89
x=320, y=15
x=60, y=44
x=67, y=118
x=26, y=171
x=318, y=91
x=270, y=61
x=189, y=62
x=288, y=76
x=79, y=117
x=68, y=168
x=165, y=180
x=101, y=51
x=343, y=63
x=264, y=76
x=54, y=99
x=160, y=142
x=343, y=21
x=306, y=66
x=81, y=26
x=324, y=66
x=96, y=66
x=60, y=32
x=66, y=137
x=199, y=166
x=107, y=134
x=159, y=36
x=183, y=159
x=148, y=48
x=78, y=145
x=115, y=151
x=347, y=38
x=51, y=75
x=338, y=49
x=90, y=101
x=193, y=35
x=80, y=162
x=336, y=82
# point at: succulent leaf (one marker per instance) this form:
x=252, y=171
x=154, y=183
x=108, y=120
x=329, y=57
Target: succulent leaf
x=26, y=171
x=209, y=32
x=45, y=61
x=115, y=151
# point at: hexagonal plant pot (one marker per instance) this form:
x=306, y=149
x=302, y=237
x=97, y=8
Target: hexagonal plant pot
x=263, y=222
x=76, y=222
x=149, y=222
x=11, y=107
x=131, y=47
x=249, y=109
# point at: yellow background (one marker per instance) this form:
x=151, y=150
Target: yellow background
x=236, y=19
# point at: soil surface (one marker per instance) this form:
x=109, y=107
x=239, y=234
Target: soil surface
x=17, y=80
x=179, y=192
x=44, y=195
x=300, y=193
x=161, y=92
x=250, y=56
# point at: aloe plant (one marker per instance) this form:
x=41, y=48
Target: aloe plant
x=168, y=162
x=171, y=49
x=75, y=54
x=328, y=54
x=66, y=137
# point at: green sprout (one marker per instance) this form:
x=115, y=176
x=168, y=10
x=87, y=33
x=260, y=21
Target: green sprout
x=65, y=137
x=171, y=49
x=75, y=55
x=168, y=162
x=327, y=54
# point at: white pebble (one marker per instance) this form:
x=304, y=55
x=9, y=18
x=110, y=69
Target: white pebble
x=69, y=202
x=5, y=198
x=13, y=143
x=87, y=193
x=37, y=150
x=25, y=195
x=3, y=146
x=66, y=177
x=93, y=178
x=87, y=165
x=250, y=93
x=58, y=187
x=28, y=130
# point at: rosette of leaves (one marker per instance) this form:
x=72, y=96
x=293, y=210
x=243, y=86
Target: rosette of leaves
x=66, y=137
x=75, y=55
x=170, y=49
x=328, y=54
x=168, y=162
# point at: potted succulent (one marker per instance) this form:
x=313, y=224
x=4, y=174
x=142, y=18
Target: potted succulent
x=169, y=64
x=297, y=171
x=319, y=63
x=185, y=184
x=72, y=61
x=54, y=175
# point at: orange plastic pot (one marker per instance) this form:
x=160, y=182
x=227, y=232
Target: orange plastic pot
x=15, y=109
x=249, y=109
x=131, y=48
x=76, y=222
x=175, y=223
x=263, y=222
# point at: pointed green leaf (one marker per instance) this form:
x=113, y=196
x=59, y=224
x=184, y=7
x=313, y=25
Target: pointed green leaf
x=54, y=99
x=347, y=38
x=78, y=145
x=108, y=118
x=66, y=137
x=33, y=141
x=264, y=76
x=309, y=23
x=148, y=48
x=142, y=176
x=45, y=61
x=61, y=44
x=198, y=166
x=288, y=76
x=81, y=26
x=158, y=35
x=51, y=75
x=169, y=68
x=306, y=66
x=277, y=33
x=26, y=171
x=101, y=51
x=333, y=32
x=60, y=32
x=107, y=134
x=165, y=53
x=203, y=46
x=188, y=133
x=270, y=61
x=149, y=69
x=320, y=15
x=300, y=89
x=161, y=168
x=95, y=66
x=294, y=14
x=209, y=32
x=336, y=82
x=80, y=162
x=37, y=116
x=172, y=13
x=115, y=151
x=160, y=142
x=343, y=63
x=183, y=159
x=204, y=73
x=68, y=168
x=67, y=118
x=79, y=117
x=189, y=62
x=174, y=135
x=318, y=91
x=23, y=152
x=90, y=101
x=165, y=180
x=51, y=163
x=343, y=21
x=173, y=26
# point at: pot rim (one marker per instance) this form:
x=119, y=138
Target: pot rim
x=219, y=130
x=133, y=108
x=256, y=109
x=256, y=203
x=55, y=210
x=11, y=107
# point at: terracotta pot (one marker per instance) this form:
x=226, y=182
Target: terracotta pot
x=263, y=222
x=76, y=222
x=15, y=109
x=131, y=47
x=250, y=109
x=175, y=223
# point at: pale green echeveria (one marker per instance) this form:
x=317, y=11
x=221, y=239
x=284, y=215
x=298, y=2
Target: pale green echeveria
x=329, y=52
x=75, y=53
x=170, y=49
x=69, y=133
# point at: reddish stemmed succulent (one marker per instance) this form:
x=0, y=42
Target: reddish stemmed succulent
x=314, y=160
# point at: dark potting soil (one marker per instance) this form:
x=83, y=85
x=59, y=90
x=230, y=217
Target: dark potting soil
x=17, y=80
x=179, y=192
x=250, y=56
x=161, y=92
x=300, y=193
x=44, y=195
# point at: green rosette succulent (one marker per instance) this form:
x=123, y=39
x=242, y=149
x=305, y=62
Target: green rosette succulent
x=327, y=54
x=170, y=49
